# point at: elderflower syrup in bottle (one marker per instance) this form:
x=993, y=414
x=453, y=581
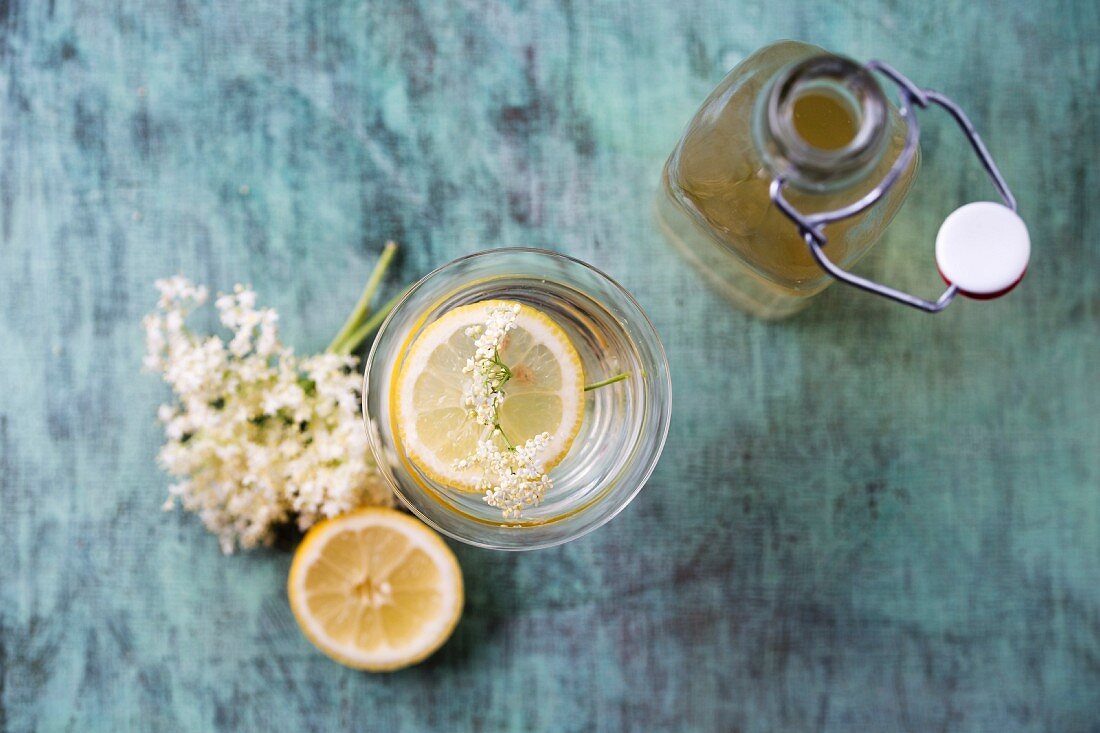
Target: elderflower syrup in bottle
x=796, y=141
x=790, y=109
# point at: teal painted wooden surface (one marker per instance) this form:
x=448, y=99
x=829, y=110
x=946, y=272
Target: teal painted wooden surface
x=865, y=519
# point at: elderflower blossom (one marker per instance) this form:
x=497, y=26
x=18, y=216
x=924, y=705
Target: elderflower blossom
x=513, y=477
x=483, y=395
x=257, y=436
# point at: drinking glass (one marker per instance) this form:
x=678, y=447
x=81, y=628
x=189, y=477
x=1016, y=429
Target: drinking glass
x=624, y=425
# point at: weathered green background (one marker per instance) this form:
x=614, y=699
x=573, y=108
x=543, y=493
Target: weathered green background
x=865, y=519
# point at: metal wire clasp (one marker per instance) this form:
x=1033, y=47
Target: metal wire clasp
x=812, y=226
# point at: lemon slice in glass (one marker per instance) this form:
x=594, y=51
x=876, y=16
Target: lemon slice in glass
x=375, y=589
x=544, y=395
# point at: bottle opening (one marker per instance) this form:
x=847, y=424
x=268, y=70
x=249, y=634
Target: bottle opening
x=825, y=119
x=824, y=122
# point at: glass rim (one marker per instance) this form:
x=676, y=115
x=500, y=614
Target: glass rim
x=802, y=162
x=662, y=415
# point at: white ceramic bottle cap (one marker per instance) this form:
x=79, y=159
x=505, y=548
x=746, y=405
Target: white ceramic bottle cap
x=983, y=249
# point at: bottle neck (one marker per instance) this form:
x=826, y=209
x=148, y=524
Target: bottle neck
x=821, y=123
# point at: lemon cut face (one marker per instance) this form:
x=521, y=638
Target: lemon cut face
x=544, y=394
x=375, y=589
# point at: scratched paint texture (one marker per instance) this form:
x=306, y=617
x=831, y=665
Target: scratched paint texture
x=865, y=518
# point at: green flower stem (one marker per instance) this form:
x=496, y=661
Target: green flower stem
x=609, y=380
x=352, y=342
x=362, y=308
x=499, y=429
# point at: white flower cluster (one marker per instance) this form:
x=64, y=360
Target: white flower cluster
x=483, y=395
x=512, y=476
x=257, y=435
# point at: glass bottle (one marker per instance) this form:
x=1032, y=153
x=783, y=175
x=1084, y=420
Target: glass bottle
x=794, y=110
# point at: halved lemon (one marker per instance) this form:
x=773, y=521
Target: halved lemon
x=545, y=393
x=375, y=589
